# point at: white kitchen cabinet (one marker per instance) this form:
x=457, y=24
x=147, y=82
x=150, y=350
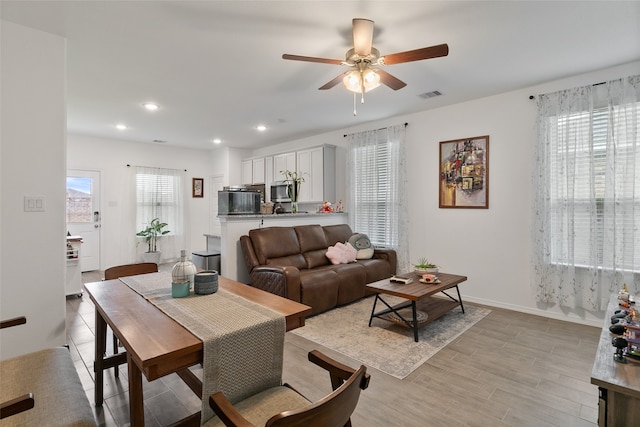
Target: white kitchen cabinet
x=283, y=162
x=318, y=167
x=257, y=166
x=253, y=171
x=247, y=172
x=268, y=177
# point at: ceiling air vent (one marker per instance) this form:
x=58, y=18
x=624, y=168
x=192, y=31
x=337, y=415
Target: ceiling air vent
x=431, y=94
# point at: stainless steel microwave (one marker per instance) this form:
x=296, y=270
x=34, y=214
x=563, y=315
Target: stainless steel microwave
x=279, y=192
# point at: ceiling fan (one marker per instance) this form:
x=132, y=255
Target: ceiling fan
x=365, y=60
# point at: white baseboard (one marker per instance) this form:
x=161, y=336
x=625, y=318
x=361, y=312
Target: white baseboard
x=543, y=313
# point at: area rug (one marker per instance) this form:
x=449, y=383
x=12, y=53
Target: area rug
x=386, y=346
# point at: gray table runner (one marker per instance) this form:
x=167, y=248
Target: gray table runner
x=243, y=341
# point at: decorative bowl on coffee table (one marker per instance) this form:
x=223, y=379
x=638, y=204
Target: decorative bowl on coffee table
x=421, y=271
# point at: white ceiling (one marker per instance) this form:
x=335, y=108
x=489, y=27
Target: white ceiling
x=215, y=67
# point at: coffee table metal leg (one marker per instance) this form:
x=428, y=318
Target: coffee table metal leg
x=415, y=321
x=460, y=299
x=373, y=310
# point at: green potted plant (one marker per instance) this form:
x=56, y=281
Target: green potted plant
x=151, y=234
x=293, y=181
x=425, y=267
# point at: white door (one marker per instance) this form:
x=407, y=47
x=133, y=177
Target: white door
x=83, y=215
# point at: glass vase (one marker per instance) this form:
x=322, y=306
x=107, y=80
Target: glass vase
x=294, y=207
x=183, y=270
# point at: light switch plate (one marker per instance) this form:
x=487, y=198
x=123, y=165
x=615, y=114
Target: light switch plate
x=34, y=203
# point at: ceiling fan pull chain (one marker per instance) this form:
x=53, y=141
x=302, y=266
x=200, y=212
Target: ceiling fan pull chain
x=355, y=112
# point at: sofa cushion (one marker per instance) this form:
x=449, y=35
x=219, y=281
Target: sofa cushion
x=313, y=244
x=311, y=237
x=351, y=282
x=319, y=288
x=295, y=260
x=274, y=242
x=377, y=269
x=337, y=233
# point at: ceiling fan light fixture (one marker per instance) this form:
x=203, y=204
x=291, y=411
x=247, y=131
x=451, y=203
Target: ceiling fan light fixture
x=357, y=80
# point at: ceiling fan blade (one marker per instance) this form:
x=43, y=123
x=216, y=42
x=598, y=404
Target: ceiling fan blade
x=312, y=59
x=389, y=80
x=416, y=55
x=333, y=82
x=362, y=36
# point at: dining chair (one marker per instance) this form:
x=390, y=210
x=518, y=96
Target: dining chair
x=125, y=270
x=42, y=387
x=283, y=406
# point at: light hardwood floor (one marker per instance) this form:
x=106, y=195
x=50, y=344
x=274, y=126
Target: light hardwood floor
x=510, y=369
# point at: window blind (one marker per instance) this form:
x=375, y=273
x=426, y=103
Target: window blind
x=374, y=191
x=158, y=196
x=582, y=172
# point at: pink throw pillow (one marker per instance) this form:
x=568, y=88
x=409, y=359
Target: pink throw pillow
x=341, y=253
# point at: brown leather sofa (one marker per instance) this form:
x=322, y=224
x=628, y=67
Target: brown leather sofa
x=291, y=262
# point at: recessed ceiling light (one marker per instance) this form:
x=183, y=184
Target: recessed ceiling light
x=121, y=126
x=150, y=106
x=261, y=128
x=217, y=141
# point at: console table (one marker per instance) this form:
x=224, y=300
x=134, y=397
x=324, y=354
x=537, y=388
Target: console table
x=618, y=383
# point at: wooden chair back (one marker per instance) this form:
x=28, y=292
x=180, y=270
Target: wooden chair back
x=13, y=322
x=130, y=270
x=333, y=410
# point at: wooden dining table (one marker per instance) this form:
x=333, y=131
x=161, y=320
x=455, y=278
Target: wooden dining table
x=156, y=345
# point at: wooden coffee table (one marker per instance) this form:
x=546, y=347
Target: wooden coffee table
x=417, y=292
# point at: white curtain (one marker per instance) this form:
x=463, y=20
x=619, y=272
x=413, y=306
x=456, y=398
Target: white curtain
x=586, y=204
x=159, y=193
x=377, y=189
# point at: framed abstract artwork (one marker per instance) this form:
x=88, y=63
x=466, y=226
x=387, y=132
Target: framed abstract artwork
x=464, y=173
x=197, y=187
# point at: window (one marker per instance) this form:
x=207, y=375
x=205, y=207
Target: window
x=377, y=189
x=79, y=199
x=373, y=187
x=579, y=221
x=159, y=195
x=586, y=233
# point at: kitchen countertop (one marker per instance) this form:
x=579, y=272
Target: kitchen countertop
x=284, y=215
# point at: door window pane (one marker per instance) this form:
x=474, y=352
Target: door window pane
x=79, y=206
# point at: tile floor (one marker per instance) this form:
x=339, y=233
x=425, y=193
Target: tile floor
x=166, y=400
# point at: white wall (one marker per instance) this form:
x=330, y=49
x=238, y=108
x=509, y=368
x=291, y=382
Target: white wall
x=110, y=157
x=32, y=271
x=492, y=247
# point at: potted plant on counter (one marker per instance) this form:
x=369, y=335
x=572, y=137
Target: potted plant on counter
x=151, y=234
x=293, y=181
